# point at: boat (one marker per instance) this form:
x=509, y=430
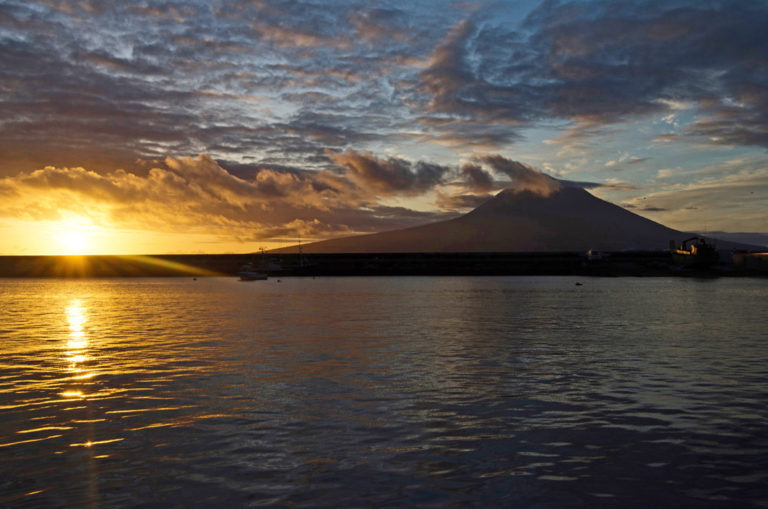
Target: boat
x=253, y=271
x=699, y=254
x=249, y=272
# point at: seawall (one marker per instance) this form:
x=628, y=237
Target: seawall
x=639, y=263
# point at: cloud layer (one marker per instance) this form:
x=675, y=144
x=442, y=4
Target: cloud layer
x=274, y=82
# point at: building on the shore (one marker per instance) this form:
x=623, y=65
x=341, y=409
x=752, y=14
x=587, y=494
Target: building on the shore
x=757, y=262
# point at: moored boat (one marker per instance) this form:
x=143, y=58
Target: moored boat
x=698, y=254
x=250, y=273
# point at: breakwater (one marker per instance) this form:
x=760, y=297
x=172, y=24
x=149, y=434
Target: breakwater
x=638, y=263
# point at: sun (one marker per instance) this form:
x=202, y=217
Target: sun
x=72, y=241
x=72, y=238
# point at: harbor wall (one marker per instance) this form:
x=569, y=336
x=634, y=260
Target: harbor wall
x=638, y=263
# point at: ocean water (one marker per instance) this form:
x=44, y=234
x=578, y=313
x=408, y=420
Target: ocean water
x=384, y=392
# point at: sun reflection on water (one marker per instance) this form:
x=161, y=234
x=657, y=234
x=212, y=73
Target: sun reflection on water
x=76, y=318
x=76, y=354
x=77, y=343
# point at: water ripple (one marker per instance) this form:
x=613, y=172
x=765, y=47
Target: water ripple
x=518, y=392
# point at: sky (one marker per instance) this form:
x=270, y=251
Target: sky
x=223, y=126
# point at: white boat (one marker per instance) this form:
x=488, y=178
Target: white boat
x=252, y=272
x=248, y=275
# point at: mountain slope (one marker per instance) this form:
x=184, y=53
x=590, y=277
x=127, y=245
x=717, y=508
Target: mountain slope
x=570, y=219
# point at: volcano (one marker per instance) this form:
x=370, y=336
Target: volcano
x=568, y=219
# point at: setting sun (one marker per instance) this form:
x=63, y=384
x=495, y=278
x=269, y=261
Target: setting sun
x=72, y=241
x=73, y=237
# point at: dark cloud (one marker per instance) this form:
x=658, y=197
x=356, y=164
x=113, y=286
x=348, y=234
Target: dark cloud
x=483, y=135
x=523, y=177
x=597, y=63
x=259, y=79
x=478, y=74
x=449, y=74
x=389, y=176
x=609, y=61
x=476, y=178
x=745, y=122
x=100, y=84
x=329, y=130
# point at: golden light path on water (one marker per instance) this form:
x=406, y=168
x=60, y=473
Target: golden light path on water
x=64, y=383
x=76, y=350
x=77, y=343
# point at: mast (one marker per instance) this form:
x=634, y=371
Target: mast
x=301, y=255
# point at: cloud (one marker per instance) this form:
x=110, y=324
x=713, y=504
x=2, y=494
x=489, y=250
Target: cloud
x=597, y=64
x=741, y=122
x=665, y=173
x=379, y=24
x=295, y=37
x=448, y=73
x=188, y=195
x=389, y=176
x=476, y=178
x=728, y=197
x=523, y=177
x=476, y=134
x=274, y=80
x=613, y=61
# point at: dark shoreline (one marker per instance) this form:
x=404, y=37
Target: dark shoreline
x=639, y=263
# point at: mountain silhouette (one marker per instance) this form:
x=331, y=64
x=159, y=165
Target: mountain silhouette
x=568, y=219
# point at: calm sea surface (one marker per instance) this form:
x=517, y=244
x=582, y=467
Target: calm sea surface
x=384, y=392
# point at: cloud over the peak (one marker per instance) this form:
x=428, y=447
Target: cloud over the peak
x=476, y=178
x=523, y=177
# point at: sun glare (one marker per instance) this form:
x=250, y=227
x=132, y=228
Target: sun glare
x=72, y=242
x=73, y=237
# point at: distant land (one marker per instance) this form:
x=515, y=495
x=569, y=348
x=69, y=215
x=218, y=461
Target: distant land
x=555, y=218
x=753, y=239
